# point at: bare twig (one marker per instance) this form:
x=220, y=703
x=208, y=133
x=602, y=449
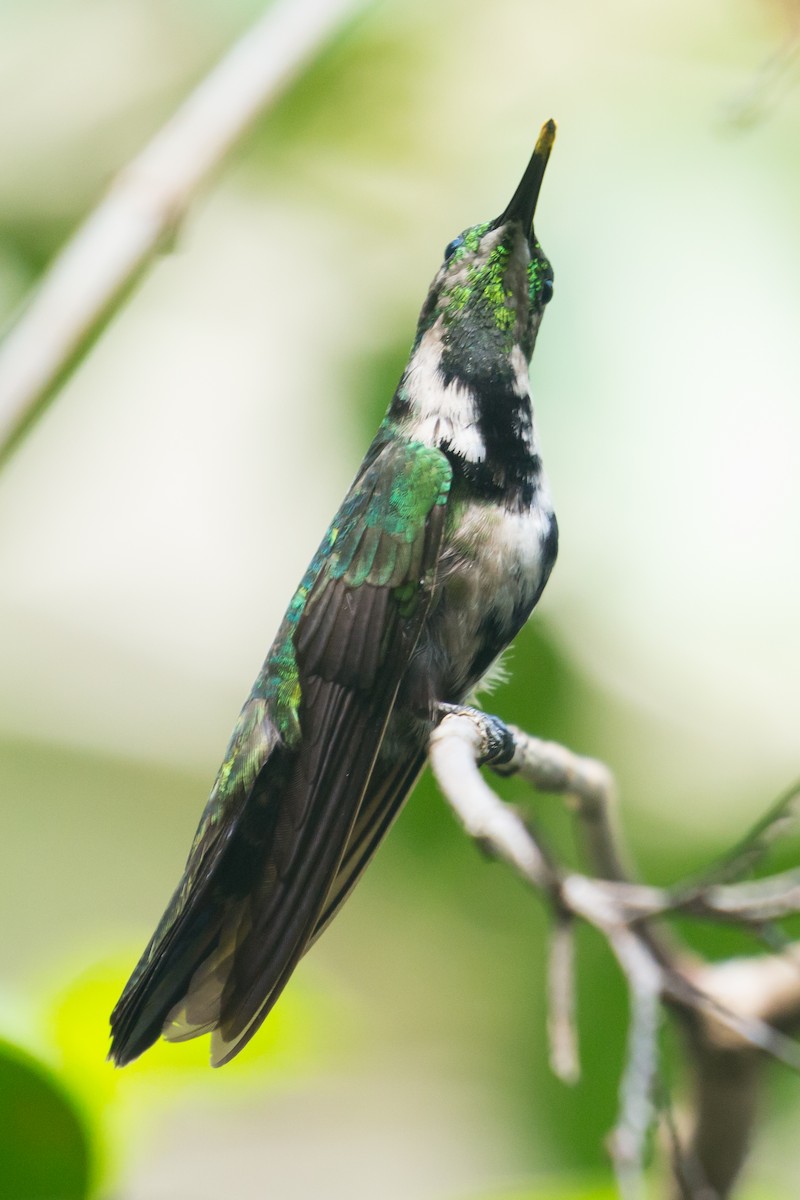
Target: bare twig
x=147, y=201
x=773, y=79
x=637, y=1114
x=756, y=902
x=588, y=785
x=457, y=743
x=779, y=818
x=562, y=1033
x=687, y=1174
x=744, y=1028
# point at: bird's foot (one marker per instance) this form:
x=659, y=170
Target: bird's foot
x=497, y=741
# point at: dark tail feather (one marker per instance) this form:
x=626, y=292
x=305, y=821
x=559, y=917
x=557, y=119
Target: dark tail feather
x=384, y=798
x=175, y=989
x=159, y=981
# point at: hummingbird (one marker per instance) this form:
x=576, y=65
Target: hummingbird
x=434, y=561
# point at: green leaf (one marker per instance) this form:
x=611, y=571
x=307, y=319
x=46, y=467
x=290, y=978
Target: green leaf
x=44, y=1144
x=562, y=1190
x=296, y=1040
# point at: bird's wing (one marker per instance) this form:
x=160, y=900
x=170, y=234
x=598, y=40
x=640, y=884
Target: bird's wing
x=354, y=633
x=289, y=790
x=382, y=802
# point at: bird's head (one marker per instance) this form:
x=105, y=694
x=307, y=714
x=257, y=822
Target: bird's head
x=490, y=292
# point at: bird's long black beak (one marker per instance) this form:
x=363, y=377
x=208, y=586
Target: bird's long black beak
x=523, y=202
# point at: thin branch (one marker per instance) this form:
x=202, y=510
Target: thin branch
x=764, y=989
x=688, y=1178
x=589, y=786
x=779, y=818
x=561, y=1028
x=758, y=902
x=147, y=201
x=637, y=1113
x=773, y=79
x=734, y=1024
x=457, y=744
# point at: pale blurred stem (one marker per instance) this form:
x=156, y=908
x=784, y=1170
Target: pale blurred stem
x=147, y=202
x=727, y=1072
x=773, y=79
x=733, y=1013
x=561, y=1025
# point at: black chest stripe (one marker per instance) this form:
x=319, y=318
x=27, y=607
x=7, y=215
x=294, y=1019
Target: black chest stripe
x=508, y=473
x=512, y=483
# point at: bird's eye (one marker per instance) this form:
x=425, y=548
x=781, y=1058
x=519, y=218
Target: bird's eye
x=451, y=248
x=547, y=291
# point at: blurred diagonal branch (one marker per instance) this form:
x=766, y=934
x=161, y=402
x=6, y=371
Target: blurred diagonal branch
x=733, y=1013
x=774, y=78
x=147, y=201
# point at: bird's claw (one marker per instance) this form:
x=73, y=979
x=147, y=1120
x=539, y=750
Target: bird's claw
x=497, y=740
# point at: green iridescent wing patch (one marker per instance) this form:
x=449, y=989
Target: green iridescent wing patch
x=377, y=565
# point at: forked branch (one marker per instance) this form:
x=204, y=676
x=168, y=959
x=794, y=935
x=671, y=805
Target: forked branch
x=733, y=1013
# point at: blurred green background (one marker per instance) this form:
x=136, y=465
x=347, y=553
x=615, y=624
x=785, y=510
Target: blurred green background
x=156, y=520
